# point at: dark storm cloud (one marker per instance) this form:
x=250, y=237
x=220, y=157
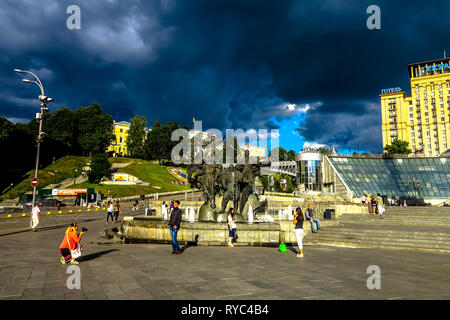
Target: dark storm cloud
x=232, y=64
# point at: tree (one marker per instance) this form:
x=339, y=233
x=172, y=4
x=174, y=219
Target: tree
x=159, y=145
x=136, y=137
x=282, y=154
x=100, y=167
x=291, y=155
x=95, y=129
x=398, y=147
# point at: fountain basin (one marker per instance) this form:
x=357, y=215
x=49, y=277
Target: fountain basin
x=156, y=230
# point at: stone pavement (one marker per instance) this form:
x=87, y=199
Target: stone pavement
x=30, y=269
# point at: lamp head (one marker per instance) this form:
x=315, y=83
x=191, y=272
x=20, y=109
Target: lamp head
x=18, y=70
x=45, y=99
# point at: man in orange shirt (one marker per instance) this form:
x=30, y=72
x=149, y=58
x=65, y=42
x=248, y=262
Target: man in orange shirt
x=70, y=242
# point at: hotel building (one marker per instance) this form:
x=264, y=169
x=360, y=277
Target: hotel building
x=422, y=119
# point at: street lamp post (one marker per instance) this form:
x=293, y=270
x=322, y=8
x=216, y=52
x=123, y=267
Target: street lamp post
x=416, y=185
x=43, y=103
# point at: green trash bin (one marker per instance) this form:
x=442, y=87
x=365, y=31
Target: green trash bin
x=283, y=247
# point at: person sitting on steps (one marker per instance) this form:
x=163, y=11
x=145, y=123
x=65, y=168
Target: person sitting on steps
x=310, y=217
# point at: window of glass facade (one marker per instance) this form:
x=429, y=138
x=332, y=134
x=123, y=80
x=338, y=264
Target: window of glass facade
x=391, y=177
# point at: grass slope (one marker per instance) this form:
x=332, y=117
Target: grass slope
x=146, y=171
x=63, y=167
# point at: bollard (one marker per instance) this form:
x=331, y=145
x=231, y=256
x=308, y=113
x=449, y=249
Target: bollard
x=24, y=214
x=79, y=210
x=9, y=216
x=49, y=212
x=70, y=211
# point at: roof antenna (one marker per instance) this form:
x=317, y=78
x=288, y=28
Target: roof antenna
x=444, y=55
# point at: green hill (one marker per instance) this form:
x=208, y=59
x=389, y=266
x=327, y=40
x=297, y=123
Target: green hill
x=147, y=171
x=158, y=177
x=58, y=171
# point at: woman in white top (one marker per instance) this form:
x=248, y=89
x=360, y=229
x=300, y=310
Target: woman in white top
x=231, y=227
x=110, y=209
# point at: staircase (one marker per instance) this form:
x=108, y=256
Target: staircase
x=409, y=228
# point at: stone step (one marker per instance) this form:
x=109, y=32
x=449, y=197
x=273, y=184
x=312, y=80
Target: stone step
x=418, y=239
x=407, y=240
x=377, y=245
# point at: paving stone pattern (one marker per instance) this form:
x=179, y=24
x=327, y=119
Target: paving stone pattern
x=30, y=269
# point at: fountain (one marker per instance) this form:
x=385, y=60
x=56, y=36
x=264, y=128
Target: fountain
x=250, y=214
x=191, y=215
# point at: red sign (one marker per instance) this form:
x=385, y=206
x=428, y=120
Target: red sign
x=34, y=182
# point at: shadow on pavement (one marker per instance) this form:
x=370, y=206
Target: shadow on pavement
x=38, y=230
x=95, y=255
x=190, y=244
x=291, y=248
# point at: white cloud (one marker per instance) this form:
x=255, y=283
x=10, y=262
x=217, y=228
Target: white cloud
x=313, y=145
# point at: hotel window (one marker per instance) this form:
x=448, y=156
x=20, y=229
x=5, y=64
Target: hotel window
x=432, y=93
x=429, y=146
x=445, y=146
x=440, y=86
x=442, y=106
x=411, y=122
x=425, y=101
x=426, y=114
x=433, y=100
x=442, y=118
x=424, y=94
x=121, y=130
x=121, y=139
x=428, y=133
x=411, y=115
x=417, y=88
x=424, y=88
x=417, y=95
x=442, y=112
x=441, y=100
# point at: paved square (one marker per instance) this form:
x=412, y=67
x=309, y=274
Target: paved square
x=30, y=269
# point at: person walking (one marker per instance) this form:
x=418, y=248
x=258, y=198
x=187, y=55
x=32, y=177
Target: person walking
x=231, y=227
x=117, y=210
x=110, y=210
x=70, y=243
x=373, y=204
x=312, y=220
x=174, y=224
x=380, y=205
x=171, y=206
x=164, y=210
x=135, y=204
x=35, y=217
x=147, y=207
x=298, y=229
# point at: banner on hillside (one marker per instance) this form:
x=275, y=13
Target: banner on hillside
x=178, y=173
x=68, y=192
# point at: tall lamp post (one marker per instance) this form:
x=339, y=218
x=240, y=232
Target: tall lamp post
x=416, y=185
x=43, y=103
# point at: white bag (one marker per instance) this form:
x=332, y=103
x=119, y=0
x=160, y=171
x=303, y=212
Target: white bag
x=76, y=253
